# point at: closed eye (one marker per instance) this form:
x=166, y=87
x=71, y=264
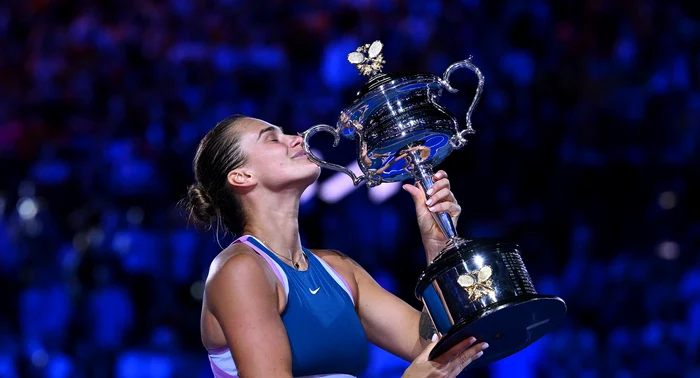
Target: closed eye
x=271, y=130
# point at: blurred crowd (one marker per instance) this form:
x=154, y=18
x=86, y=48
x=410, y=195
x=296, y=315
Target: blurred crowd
x=586, y=154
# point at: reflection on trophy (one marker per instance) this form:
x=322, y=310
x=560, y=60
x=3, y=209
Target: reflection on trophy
x=474, y=287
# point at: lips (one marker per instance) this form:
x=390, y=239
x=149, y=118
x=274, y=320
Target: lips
x=301, y=153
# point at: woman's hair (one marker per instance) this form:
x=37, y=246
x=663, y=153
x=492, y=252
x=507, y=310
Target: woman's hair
x=210, y=202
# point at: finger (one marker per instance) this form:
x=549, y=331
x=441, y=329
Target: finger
x=416, y=193
x=423, y=356
x=440, y=174
x=450, y=207
x=455, y=351
x=461, y=362
x=440, y=196
x=468, y=356
x=411, y=189
x=438, y=185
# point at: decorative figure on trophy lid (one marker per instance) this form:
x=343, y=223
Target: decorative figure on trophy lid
x=371, y=63
x=474, y=287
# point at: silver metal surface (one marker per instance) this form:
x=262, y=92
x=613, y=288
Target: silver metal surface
x=402, y=132
x=460, y=139
x=395, y=118
x=423, y=174
x=318, y=128
x=475, y=277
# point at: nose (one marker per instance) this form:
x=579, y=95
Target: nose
x=295, y=141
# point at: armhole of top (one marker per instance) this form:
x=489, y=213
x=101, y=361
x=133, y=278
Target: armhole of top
x=336, y=277
x=273, y=264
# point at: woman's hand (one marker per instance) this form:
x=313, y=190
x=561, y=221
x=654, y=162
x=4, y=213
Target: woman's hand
x=440, y=200
x=449, y=364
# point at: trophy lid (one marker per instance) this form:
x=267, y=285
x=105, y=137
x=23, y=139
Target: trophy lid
x=375, y=82
x=369, y=61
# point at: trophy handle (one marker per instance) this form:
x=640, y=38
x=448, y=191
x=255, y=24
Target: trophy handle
x=459, y=139
x=322, y=163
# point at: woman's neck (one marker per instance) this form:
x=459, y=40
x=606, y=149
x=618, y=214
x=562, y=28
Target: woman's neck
x=274, y=221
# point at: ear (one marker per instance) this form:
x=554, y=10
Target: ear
x=241, y=178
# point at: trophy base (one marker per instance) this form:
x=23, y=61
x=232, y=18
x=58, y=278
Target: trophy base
x=507, y=326
x=481, y=288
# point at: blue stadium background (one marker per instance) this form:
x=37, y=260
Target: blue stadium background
x=586, y=154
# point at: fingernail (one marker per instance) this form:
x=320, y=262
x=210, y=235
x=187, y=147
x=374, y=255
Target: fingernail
x=430, y=192
x=432, y=209
x=486, y=345
x=428, y=202
x=434, y=338
x=478, y=355
x=472, y=340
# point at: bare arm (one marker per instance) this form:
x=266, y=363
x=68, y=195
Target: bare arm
x=395, y=326
x=243, y=298
x=389, y=322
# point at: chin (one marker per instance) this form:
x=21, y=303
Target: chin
x=314, y=174
x=307, y=175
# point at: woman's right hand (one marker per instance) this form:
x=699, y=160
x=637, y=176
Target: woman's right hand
x=449, y=364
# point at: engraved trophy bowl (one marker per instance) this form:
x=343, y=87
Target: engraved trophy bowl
x=474, y=287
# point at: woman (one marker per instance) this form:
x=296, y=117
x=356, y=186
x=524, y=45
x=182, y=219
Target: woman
x=275, y=309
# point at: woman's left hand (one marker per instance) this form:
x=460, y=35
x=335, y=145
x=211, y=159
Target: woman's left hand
x=440, y=200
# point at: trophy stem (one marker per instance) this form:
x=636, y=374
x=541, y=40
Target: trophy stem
x=423, y=173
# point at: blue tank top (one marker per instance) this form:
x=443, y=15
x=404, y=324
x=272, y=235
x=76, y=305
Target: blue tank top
x=324, y=330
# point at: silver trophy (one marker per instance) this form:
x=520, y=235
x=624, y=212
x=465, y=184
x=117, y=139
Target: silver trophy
x=474, y=287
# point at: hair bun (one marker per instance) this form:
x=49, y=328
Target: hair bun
x=200, y=206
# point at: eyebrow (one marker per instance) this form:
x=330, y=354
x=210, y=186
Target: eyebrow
x=269, y=128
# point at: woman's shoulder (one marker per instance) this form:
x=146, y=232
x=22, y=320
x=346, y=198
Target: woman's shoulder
x=240, y=278
x=336, y=259
x=333, y=255
x=239, y=259
x=341, y=263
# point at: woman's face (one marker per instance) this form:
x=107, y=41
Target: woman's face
x=276, y=160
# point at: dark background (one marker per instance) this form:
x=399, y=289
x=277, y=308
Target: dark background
x=586, y=154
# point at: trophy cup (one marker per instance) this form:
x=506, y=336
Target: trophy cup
x=474, y=287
